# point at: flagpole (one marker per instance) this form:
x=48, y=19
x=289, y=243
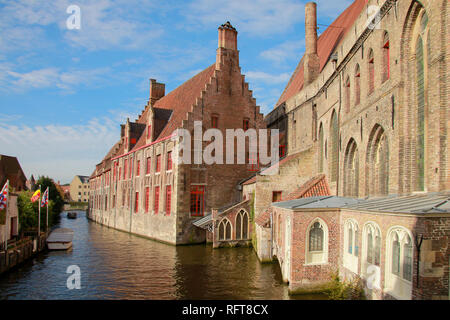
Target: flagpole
x=39, y=219
x=48, y=196
x=6, y=221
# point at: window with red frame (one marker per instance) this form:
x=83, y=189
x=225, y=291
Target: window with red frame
x=282, y=149
x=254, y=163
x=138, y=168
x=169, y=160
x=158, y=163
x=386, y=58
x=214, y=121
x=147, y=199
x=246, y=124
x=136, y=204
x=156, y=200
x=276, y=196
x=371, y=72
x=168, y=199
x=125, y=166
x=197, y=201
x=149, y=165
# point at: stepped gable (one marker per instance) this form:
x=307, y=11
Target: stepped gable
x=326, y=43
x=180, y=102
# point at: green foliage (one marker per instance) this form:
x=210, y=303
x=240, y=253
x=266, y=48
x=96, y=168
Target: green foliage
x=347, y=290
x=28, y=211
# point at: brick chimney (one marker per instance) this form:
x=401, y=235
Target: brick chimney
x=157, y=91
x=227, y=47
x=311, y=60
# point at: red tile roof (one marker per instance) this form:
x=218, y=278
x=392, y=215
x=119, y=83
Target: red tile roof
x=180, y=102
x=327, y=42
x=315, y=187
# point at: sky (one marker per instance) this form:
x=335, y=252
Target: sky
x=64, y=92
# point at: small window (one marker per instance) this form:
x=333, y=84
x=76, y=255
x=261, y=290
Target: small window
x=386, y=58
x=149, y=165
x=169, y=160
x=158, y=163
x=214, y=121
x=282, y=151
x=147, y=199
x=138, y=168
x=168, y=199
x=133, y=140
x=276, y=196
x=246, y=124
x=156, y=200
x=136, y=204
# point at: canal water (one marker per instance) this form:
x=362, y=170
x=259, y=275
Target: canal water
x=117, y=265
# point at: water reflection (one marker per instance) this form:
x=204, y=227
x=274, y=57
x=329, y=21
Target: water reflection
x=116, y=265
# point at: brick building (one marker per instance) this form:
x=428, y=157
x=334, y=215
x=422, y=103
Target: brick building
x=367, y=107
x=142, y=187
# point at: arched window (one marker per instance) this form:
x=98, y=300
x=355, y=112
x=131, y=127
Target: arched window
x=371, y=244
x=321, y=148
x=377, y=163
x=347, y=95
x=241, y=225
x=316, y=237
x=351, y=243
x=386, y=58
x=399, y=263
x=371, y=72
x=317, y=242
x=224, y=230
x=357, y=85
x=351, y=167
x=334, y=139
x=420, y=145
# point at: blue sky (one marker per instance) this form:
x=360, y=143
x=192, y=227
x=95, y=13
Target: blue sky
x=64, y=93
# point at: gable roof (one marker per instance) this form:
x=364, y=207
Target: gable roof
x=315, y=187
x=326, y=43
x=179, y=101
x=11, y=170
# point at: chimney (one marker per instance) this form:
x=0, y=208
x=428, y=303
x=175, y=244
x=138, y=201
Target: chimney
x=157, y=91
x=227, y=44
x=311, y=60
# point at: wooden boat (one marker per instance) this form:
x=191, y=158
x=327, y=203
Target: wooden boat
x=72, y=215
x=60, y=239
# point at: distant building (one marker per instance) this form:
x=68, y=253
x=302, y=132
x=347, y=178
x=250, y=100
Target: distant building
x=79, y=189
x=11, y=170
x=31, y=183
x=66, y=191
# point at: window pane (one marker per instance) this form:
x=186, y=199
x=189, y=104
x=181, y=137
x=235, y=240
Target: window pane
x=396, y=257
x=407, y=260
x=316, y=238
x=369, y=247
x=350, y=240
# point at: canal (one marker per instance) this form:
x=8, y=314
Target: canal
x=117, y=265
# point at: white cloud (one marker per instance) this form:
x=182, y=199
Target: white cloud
x=263, y=77
x=59, y=151
x=286, y=51
x=48, y=78
x=258, y=17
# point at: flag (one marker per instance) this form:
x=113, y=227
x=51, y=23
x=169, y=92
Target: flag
x=4, y=196
x=44, y=201
x=36, y=196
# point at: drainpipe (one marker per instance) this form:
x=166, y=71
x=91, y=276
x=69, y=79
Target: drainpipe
x=418, y=244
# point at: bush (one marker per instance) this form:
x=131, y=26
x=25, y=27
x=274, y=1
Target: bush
x=347, y=290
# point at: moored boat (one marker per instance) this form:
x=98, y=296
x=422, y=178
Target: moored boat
x=60, y=239
x=72, y=215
